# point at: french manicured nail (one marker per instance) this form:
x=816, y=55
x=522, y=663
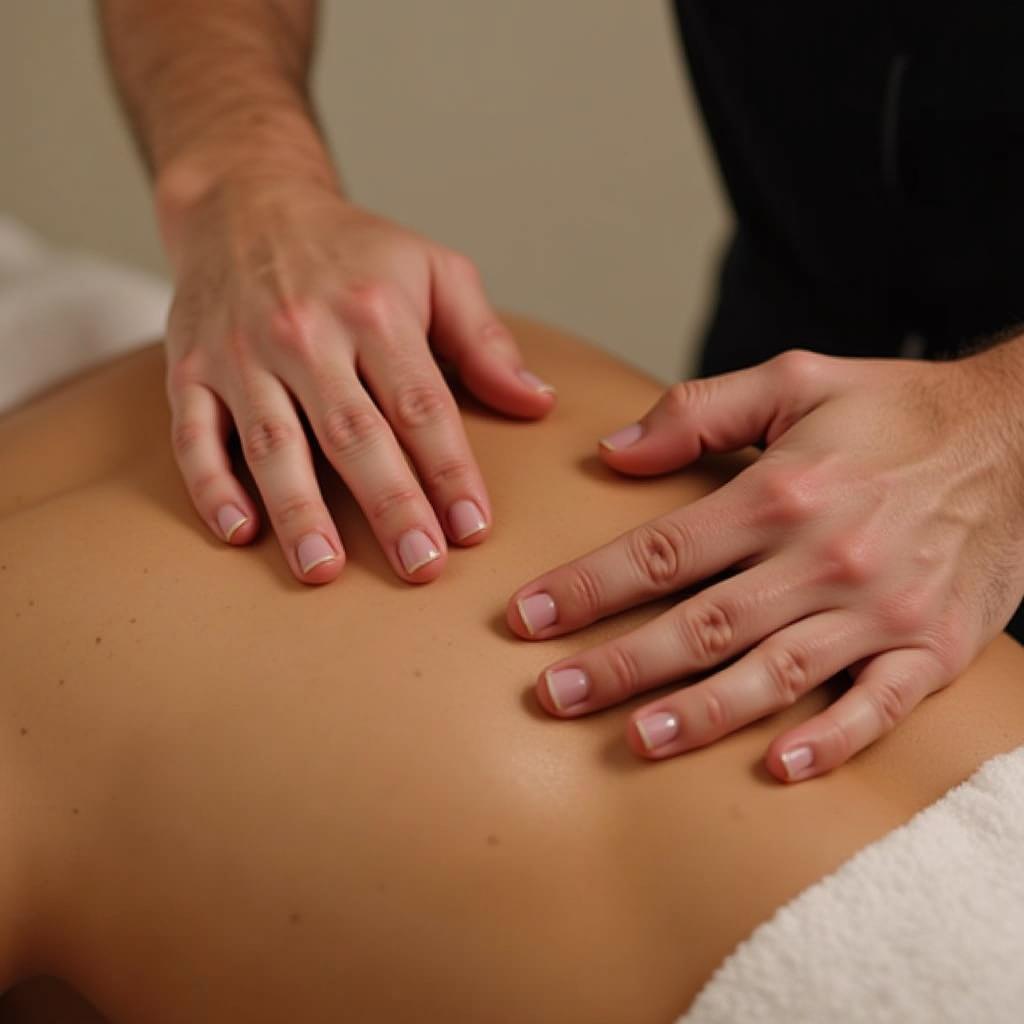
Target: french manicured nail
x=623, y=437
x=537, y=611
x=230, y=519
x=797, y=761
x=658, y=729
x=313, y=550
x=415, y=550
x=567, y=686
x=531, y=380
x=466, y=519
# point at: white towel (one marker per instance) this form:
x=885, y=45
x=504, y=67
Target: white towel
x=61, y=313
x=925, y=925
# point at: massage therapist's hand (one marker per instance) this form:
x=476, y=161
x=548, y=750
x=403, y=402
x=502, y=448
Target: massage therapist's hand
x=880, y=531
x=291, y=303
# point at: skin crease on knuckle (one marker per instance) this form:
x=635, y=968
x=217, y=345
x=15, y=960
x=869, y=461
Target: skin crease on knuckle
x=266, y=437
x=787, y=670
x=295, y=509
x=419, y=404
x=350, y=428
x=185, y=436
x=586, y=595
x=445, y=474
x=653, y=552
x=706, y=631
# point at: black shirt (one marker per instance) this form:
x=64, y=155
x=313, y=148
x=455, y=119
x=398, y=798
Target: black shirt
x=874, y=156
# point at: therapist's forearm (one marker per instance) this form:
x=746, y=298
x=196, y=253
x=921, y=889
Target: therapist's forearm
x=216, y=91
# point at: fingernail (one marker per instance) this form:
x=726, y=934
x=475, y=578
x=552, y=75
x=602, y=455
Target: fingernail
x=533, y=381
x=623, y=437
x=466, y=519
x=797, y=761
x=658, y=729
x=230, y=519
x=537, y=611
x=415, y=550
x=313, y=550
x=567, y=686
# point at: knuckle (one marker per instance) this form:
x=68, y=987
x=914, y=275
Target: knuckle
x=295, y=508
x=418, y=404
x=888, y=700
x=706, y=630
x=849, y=560
x=623, y=672
x=349, y=428
x=390, y=500
x=446, y=473
x=265, y=437
x=716, y=713
x=185, y=436
x=789, y=497
x=185, y=371
x=369, y=306
x=292, y=328
x=655, y=551
x=796, y=367
x=460, y=266
x=585, y=593
x=682, y=396
x=787, y=671
x=494, y=332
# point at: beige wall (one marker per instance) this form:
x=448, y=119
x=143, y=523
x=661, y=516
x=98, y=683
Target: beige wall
x=553, y=142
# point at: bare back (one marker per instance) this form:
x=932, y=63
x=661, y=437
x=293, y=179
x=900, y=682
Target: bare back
x=236, y=798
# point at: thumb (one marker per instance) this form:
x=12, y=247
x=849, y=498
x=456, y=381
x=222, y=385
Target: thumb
x=467, y=332
x=721, y=414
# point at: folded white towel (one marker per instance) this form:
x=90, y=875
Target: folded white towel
x=924, y=925
x=61, y=313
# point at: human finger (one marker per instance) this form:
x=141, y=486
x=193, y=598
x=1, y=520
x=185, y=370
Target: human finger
x=410, y=390
x=721, y=414
x=657, y=558
x=199, y=428
x=697, y=634
x=886, y=690
x=277, y=453
x=772, y=676
x=467, y=331
x=360, y=445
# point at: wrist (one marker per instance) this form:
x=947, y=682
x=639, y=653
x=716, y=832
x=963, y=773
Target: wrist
x=245, y=155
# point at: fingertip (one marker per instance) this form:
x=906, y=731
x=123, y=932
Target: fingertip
x=466, y=523
x=793, y=761
x=318, y=560
x=418, y=556
x=427, y=571
x=635, y=740
x=235, y=524
x=324, y=572
x=513, y=619
x=513, y=392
